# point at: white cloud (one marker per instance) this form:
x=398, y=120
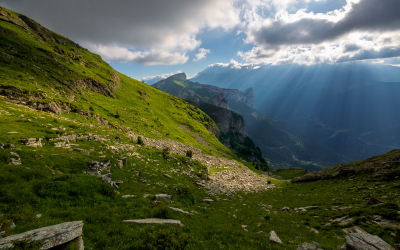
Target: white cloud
x=148, y=57
x=360, y=30
x=202, y=54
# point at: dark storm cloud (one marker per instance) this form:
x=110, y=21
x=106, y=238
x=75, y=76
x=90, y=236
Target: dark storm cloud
x=367, y=15
x=135, y=23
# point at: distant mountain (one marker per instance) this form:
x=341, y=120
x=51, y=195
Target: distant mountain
x=281, y=148
x=350, y=108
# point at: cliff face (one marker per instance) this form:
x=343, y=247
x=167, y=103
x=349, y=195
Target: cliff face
x=176, y=84
x=219, y=100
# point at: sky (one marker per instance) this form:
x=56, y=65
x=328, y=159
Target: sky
x=145, y=38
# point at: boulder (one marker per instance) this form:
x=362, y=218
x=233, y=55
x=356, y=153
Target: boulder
x=178, y=210
x=306, y=246
x=152, y=221
x=285, y=209
x=165, y=197
x=358, y=239
x=51, y=236
x=81, y=151
x=209, y=201
x=274, y=237
x=14, y=161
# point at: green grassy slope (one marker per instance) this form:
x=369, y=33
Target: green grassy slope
x=47, y=67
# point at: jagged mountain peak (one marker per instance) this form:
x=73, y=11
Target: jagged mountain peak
x=178, y=77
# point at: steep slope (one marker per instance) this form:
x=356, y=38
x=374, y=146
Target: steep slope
x=49, y=72
x=349, y=107
x=280, y=147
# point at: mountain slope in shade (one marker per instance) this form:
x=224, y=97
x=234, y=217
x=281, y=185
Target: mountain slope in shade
x=349, y=108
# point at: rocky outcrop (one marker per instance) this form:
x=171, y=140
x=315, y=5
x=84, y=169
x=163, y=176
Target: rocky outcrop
x=274, y=237
x=50, y=236
x=52, y=106
x=219, y=100
x=95, y=86
x=204, y=91
x=358, y=239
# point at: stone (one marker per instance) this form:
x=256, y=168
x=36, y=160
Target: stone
x=274, y=237
x=152, y=221
x=244, y=228
x=11, y=146
x=178, y=210
x=12, y=225
x=128, y=196
x=96, y=167
x=168, y=176
x=143, y=181
x=314, y=230
x=51, y=236
x=38, y=216
x=14, y=161
x=62, y=144
x=359, y=239
x=204, y=177
x=306, y=246
x=209, y=201
x=285, y=209
x=165, y=197
x=33, y=142
x=81, y=151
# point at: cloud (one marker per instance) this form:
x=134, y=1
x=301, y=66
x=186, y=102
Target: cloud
x=158, y=77
x=155, y=29
x=360, y=30
x=202, y=54
x=148, y=57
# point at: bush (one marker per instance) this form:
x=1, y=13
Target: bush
x=267, y=217
x=185, y=193
x=140, y=141
x=269, y=182
x=166, y=153
x=189, y=153
x=165, y=239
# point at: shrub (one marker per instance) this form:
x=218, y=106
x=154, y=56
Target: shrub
x=185, y=193
x=140, y=141
x=189, y=153
x=166, y=153
x=269, y=182
x=267, y=217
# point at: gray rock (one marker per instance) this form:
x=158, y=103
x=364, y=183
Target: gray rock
x=128, y=196
x=209, y=201
x=62, y=144
x=358, y=239
x=14, y=161
x=51, y=236
x=179, y=210
x=168, y=176
x=274, y=237
x=81, y=151
x=165, y=197
x=306, y=246
x=204, y=177
x=152, y=221
x=219, y=100
x=33, y=142
x=38, y=216
x=11, y=146
x=314, y=230
x=244, y=228
x=285, y=209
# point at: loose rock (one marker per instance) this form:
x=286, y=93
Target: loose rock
x=152, y=221
x=209, y=201
x=358, y=239
x=306, y=246
x=165, y=197
x=274, y=237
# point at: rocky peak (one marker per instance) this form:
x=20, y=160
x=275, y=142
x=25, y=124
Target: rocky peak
x=219, y=100
x=249, y=97
x=178, y=77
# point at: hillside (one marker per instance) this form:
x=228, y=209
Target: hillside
x=279, y=147
x=81, y=142
x=348, y=108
